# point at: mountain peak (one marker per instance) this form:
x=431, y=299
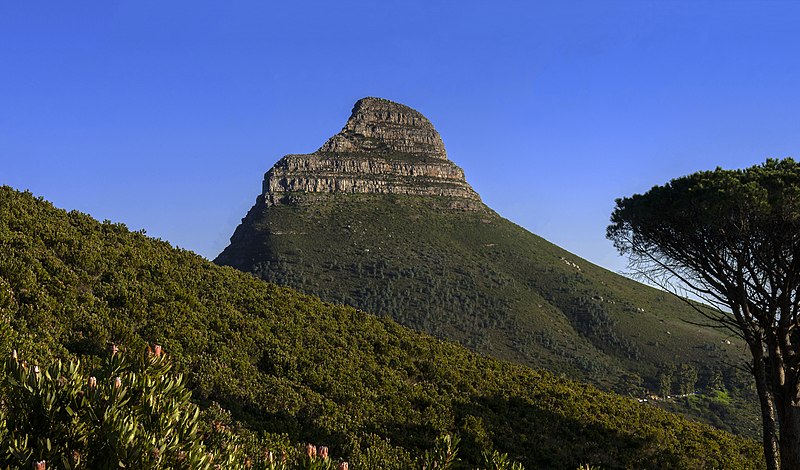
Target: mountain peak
x=377, y=125
x=384, y=148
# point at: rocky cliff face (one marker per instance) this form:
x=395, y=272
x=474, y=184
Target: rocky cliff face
x=382, y=126
x=384, y=148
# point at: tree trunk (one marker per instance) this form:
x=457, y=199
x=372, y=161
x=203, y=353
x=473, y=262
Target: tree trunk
x=790, y=437
x=769, y=427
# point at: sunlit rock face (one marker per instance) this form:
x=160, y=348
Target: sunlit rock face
x=384, y=148
x=382, y=126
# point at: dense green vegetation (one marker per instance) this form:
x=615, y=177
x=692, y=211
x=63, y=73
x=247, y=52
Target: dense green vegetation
x=478, y=279
x=284, y=367
x=130, y=411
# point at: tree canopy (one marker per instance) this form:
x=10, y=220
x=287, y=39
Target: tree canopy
x=732, y=238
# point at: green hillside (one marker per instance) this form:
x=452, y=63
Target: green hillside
x=284, y=362
x=478, y=279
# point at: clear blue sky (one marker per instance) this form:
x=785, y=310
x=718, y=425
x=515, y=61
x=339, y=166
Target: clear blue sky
x=165, y=115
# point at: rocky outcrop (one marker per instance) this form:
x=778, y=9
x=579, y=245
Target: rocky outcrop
x=384, y=148
x=382, y=126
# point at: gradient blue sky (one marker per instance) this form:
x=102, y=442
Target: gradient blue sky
x=165, y=115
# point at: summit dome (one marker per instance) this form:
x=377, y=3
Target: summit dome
x=377, y=125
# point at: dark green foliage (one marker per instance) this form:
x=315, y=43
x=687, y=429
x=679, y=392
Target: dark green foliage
x=476, y=278
x=130, y=414
x=665, y=378
x=715, y=382
x=119, y=414
x=688, y=379
x=496, y=461
x=443, y=455
x=288, y=369
x=730, y=238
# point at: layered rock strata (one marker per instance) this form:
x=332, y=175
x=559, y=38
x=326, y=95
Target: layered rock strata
x=384, y=148
x=382, y=126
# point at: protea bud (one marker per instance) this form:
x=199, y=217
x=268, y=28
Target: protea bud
x=92, y=382
x=40, y=465
x=114, y=349
x=323, y=452
x=36, y=370
x=14, y=355
x=157, y=350
x=343, y=466
x=311, y=450
x=117, y=382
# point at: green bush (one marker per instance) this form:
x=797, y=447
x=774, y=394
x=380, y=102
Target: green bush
x=126, y=412
x=130, y=411
x=496, y=461
x=123, y=413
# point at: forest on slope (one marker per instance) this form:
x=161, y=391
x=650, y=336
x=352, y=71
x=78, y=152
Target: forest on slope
x=289, y=366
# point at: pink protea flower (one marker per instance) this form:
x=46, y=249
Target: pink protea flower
x=114, y=349
x=311, y=450
x=92, y=382
x=343, y=466
x=117, y=382
x=157, y=350
x=323, y=452
x=40, y=465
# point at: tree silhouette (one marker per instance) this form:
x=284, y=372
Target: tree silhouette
x=732, y=239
